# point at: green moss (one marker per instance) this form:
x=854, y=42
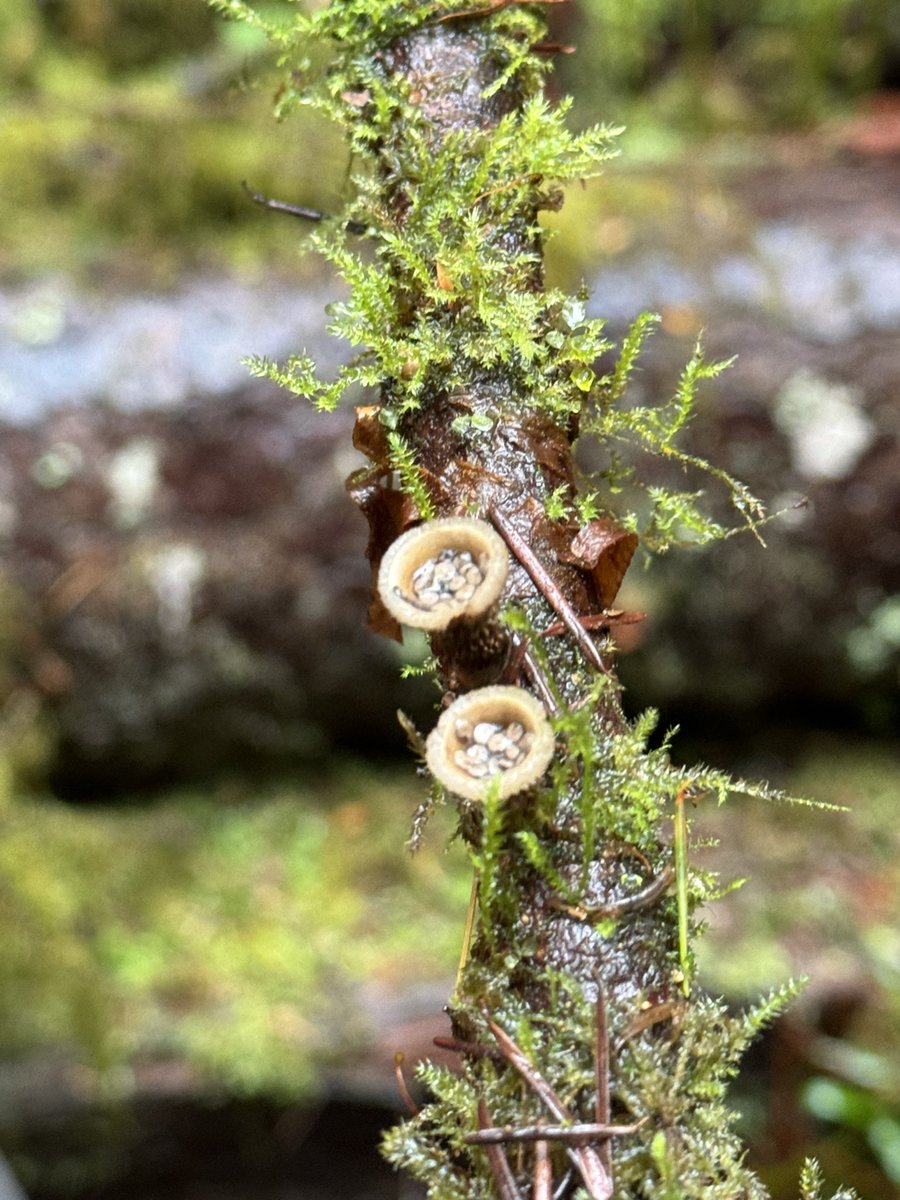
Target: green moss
x=231, y=930
x=441, y=299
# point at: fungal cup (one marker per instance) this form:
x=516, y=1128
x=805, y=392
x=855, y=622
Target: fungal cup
x=491, y=733
x=446, y=570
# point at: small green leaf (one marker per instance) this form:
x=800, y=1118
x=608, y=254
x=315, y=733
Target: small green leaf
x=583, y=378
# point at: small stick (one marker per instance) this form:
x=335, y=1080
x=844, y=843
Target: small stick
x=548, y=587
x=619, y=908
x=522, y=1063
x=601, y=1073
x=563, y=1189
x=613, y=616
x=469, y=929
x=616, y=847
x=552, y=48
x=472, y=1049
x=593, y=1173
x=297, y=210
x=543, y=1173
x=512, y=671
x=522, y=655
x=505, y=187
x=569, y=1135
x=412, y=1107
x=504, y=1179
x=541, y=685
x=596, y=1180
x=680, y=851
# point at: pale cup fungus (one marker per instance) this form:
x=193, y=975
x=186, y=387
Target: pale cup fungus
x=491, y=733
x=446, y=577
x=443, y=570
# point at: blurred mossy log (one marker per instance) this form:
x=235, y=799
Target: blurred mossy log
x=188, y=593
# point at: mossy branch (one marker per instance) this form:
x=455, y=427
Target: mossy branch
x=581, y=941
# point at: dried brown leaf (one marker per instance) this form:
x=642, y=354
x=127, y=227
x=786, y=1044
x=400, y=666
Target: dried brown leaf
x=605, y=549
x=369, y=435
x=389, y=513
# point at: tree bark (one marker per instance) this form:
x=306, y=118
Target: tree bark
x=503, y=467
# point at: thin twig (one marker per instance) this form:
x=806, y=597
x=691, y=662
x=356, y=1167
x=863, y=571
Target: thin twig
x=412, y=1107
x=680, y=852
x=604, y=620
x=601, y=1073
x=548, y=587
x=552, y=48
x=519, y=1059
x=597, y=1182
x=504, y=1179
x=648, y=895
x=467, y=932
x=563, y=1189
x=539, y=680
x=505, y=187
x=512, y=670
x=569, y=1135
x=542, y=1188
x=297, y=210
x=471, y=1049
x=593, y=1173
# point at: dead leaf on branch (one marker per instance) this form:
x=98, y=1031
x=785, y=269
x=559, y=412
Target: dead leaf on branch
x=606, y=550
x=369, y=435
x=389, y=512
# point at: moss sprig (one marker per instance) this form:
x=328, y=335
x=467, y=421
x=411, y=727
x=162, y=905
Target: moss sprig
x=812, y=1183
x=668, y=517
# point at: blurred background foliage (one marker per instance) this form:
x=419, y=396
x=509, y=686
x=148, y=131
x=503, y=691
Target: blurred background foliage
x=228, y=930
x=235, y=933
x=128, y=122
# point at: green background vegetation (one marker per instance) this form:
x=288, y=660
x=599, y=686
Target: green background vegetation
x=129, y=124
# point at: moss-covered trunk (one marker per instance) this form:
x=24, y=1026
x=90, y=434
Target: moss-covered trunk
x=532, y=954
x=587, y=1059
x=509, y=456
